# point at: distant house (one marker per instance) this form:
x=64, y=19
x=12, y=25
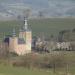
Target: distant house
x=63, y=45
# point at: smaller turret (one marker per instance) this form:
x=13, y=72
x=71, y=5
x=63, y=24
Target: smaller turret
x=13, y=33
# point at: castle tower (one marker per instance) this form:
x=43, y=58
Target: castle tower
x=27, y=35
x=22, y=33
x=13, y=42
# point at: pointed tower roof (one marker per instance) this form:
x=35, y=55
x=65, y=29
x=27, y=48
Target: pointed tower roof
x=13, y=33
x=25, y=24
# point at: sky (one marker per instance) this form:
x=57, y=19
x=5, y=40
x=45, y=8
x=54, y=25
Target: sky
x=52, y=8
x=63, y=7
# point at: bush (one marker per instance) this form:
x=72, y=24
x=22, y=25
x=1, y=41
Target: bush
x=40, y=61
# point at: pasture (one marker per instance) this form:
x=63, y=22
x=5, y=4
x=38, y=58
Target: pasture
x=64, y=58
x=50, y=26
x=8, y=70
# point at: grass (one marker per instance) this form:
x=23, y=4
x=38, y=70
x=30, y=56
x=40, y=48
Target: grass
x=52, y=25
x=8, y=70
x=39, y=26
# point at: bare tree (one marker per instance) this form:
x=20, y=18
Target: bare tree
x=41, y=14
x=27, y=12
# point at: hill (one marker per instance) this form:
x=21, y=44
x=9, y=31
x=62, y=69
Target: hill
x=39, y=26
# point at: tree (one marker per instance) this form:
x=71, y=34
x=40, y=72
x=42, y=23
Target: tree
x=64, y=35
x=41, y=14
x=27, y=12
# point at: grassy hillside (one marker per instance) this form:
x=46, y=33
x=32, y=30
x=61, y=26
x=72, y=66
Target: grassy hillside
x=52, y=26
x=39, y=26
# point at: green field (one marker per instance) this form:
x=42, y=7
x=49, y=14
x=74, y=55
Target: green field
x=52, y=26
x=8, y=70
x=39, y=26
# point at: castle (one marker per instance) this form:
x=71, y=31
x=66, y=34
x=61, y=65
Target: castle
x=21, y=44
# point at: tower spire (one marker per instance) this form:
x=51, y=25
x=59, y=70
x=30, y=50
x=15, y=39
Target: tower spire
x=25, y=23
x=14, y=33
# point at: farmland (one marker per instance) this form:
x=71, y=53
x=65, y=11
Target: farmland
x=64, y=65
x=8, y=70
x=39, y=26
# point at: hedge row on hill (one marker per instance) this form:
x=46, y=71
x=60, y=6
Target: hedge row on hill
x=47, y=61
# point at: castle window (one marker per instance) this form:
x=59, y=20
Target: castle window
x=21, y=41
